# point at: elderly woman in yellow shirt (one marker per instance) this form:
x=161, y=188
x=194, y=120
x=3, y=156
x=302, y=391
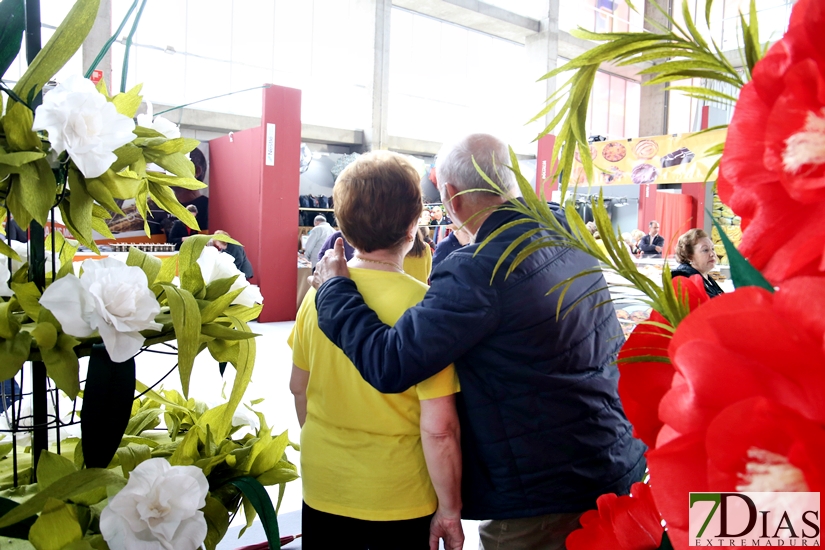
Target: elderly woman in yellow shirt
x=379, y=471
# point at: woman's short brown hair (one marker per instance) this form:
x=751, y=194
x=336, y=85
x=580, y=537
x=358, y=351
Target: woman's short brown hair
x=377, y=199
x=687, y=243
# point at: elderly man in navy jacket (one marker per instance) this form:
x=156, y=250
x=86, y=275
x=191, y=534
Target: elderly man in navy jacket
x=542, y=427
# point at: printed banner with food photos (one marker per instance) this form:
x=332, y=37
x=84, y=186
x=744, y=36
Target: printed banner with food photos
x=650, y=160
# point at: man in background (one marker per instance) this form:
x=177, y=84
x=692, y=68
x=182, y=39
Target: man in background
x=652, y=243
x=317, y=236
x=237, y=252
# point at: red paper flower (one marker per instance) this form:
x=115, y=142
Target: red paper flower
x=642, y=384
x=773, y=170
x=746, y=410
x=621, y=523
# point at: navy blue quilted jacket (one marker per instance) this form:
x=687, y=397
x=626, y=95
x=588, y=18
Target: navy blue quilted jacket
x=542, y=427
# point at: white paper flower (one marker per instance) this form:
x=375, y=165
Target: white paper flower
x=166, y=127
x=158, y=509
x=80, y=120
x=216, y=265
x=111, y=298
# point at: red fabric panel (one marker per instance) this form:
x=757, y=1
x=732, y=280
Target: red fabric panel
x=258, y=204
x=674, y=212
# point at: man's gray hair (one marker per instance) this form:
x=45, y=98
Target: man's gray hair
x=320, y=219
x=454, y=165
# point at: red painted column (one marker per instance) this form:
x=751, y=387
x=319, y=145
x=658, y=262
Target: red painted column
x=253, y=195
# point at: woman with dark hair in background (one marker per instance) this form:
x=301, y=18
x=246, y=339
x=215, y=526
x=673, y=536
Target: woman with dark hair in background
x=418, y=263
x=698, y=257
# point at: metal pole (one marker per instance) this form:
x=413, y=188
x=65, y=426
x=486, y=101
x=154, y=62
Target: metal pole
x=37, y=265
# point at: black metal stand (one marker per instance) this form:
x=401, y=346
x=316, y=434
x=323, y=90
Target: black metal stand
x=37, y=266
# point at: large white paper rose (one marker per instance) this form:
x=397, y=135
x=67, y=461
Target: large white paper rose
x=216, y=265
x=166, y=127
x=158, y=509
x=111, y=298
x=80, y=120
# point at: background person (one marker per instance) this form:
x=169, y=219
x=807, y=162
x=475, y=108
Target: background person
x=418, y=263
x=180, y=230
x=455, y=240
x=698, y=257
x=317, y=236
x=387, y=443
x=652, y=243
x=237, y=252
x=349, y=251
x=543, y=431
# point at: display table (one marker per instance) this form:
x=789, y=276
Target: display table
x=629, y=302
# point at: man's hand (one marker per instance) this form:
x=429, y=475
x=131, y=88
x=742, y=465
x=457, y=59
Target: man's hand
x=659, y=249
x=447, y=527
x=333, y=264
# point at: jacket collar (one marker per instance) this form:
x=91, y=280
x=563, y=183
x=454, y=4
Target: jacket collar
x=495, y=220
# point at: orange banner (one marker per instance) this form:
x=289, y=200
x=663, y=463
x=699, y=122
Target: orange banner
x=650, y=160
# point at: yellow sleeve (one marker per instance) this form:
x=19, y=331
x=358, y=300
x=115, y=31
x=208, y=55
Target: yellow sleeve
x=439, y=385
x=297, y=338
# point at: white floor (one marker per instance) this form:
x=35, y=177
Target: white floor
x=270, y=381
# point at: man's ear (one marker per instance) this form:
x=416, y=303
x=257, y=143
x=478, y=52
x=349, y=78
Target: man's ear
x=453, y=197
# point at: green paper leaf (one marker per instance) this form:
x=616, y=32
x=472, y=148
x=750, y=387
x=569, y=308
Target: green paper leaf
x=217, y=522
x=77, y=483
x=80, y=207
x=127, y=103
x=28, y=296
x=165, y=198
x=191, y=249
x=8, y=251
x=219, y=306
x=56, y=527
x=192, y=280
x=45, y=335
x=122, y=185
x=61, y=363
x=20, y=158
x=51, y=467
x=63, y=44
x=9, y=325
x=270, y=456
x=18, y=530
x=130, y=456
x=31, y=194
x=219, y=287
x=12, y=25
x=168, y=269
x=101, y=193
x=176, y=145
x=18, y=127
x=741, y=271
x=149, y=264
x=183, y=182
x=255, y=494
x=13, y=353
x=186, y=317
x=126, y=155
x=176, y=163
x=221, y=332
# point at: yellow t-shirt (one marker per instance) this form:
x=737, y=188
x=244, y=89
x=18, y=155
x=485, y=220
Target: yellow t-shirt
x=361, y=454
x=419, y=267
